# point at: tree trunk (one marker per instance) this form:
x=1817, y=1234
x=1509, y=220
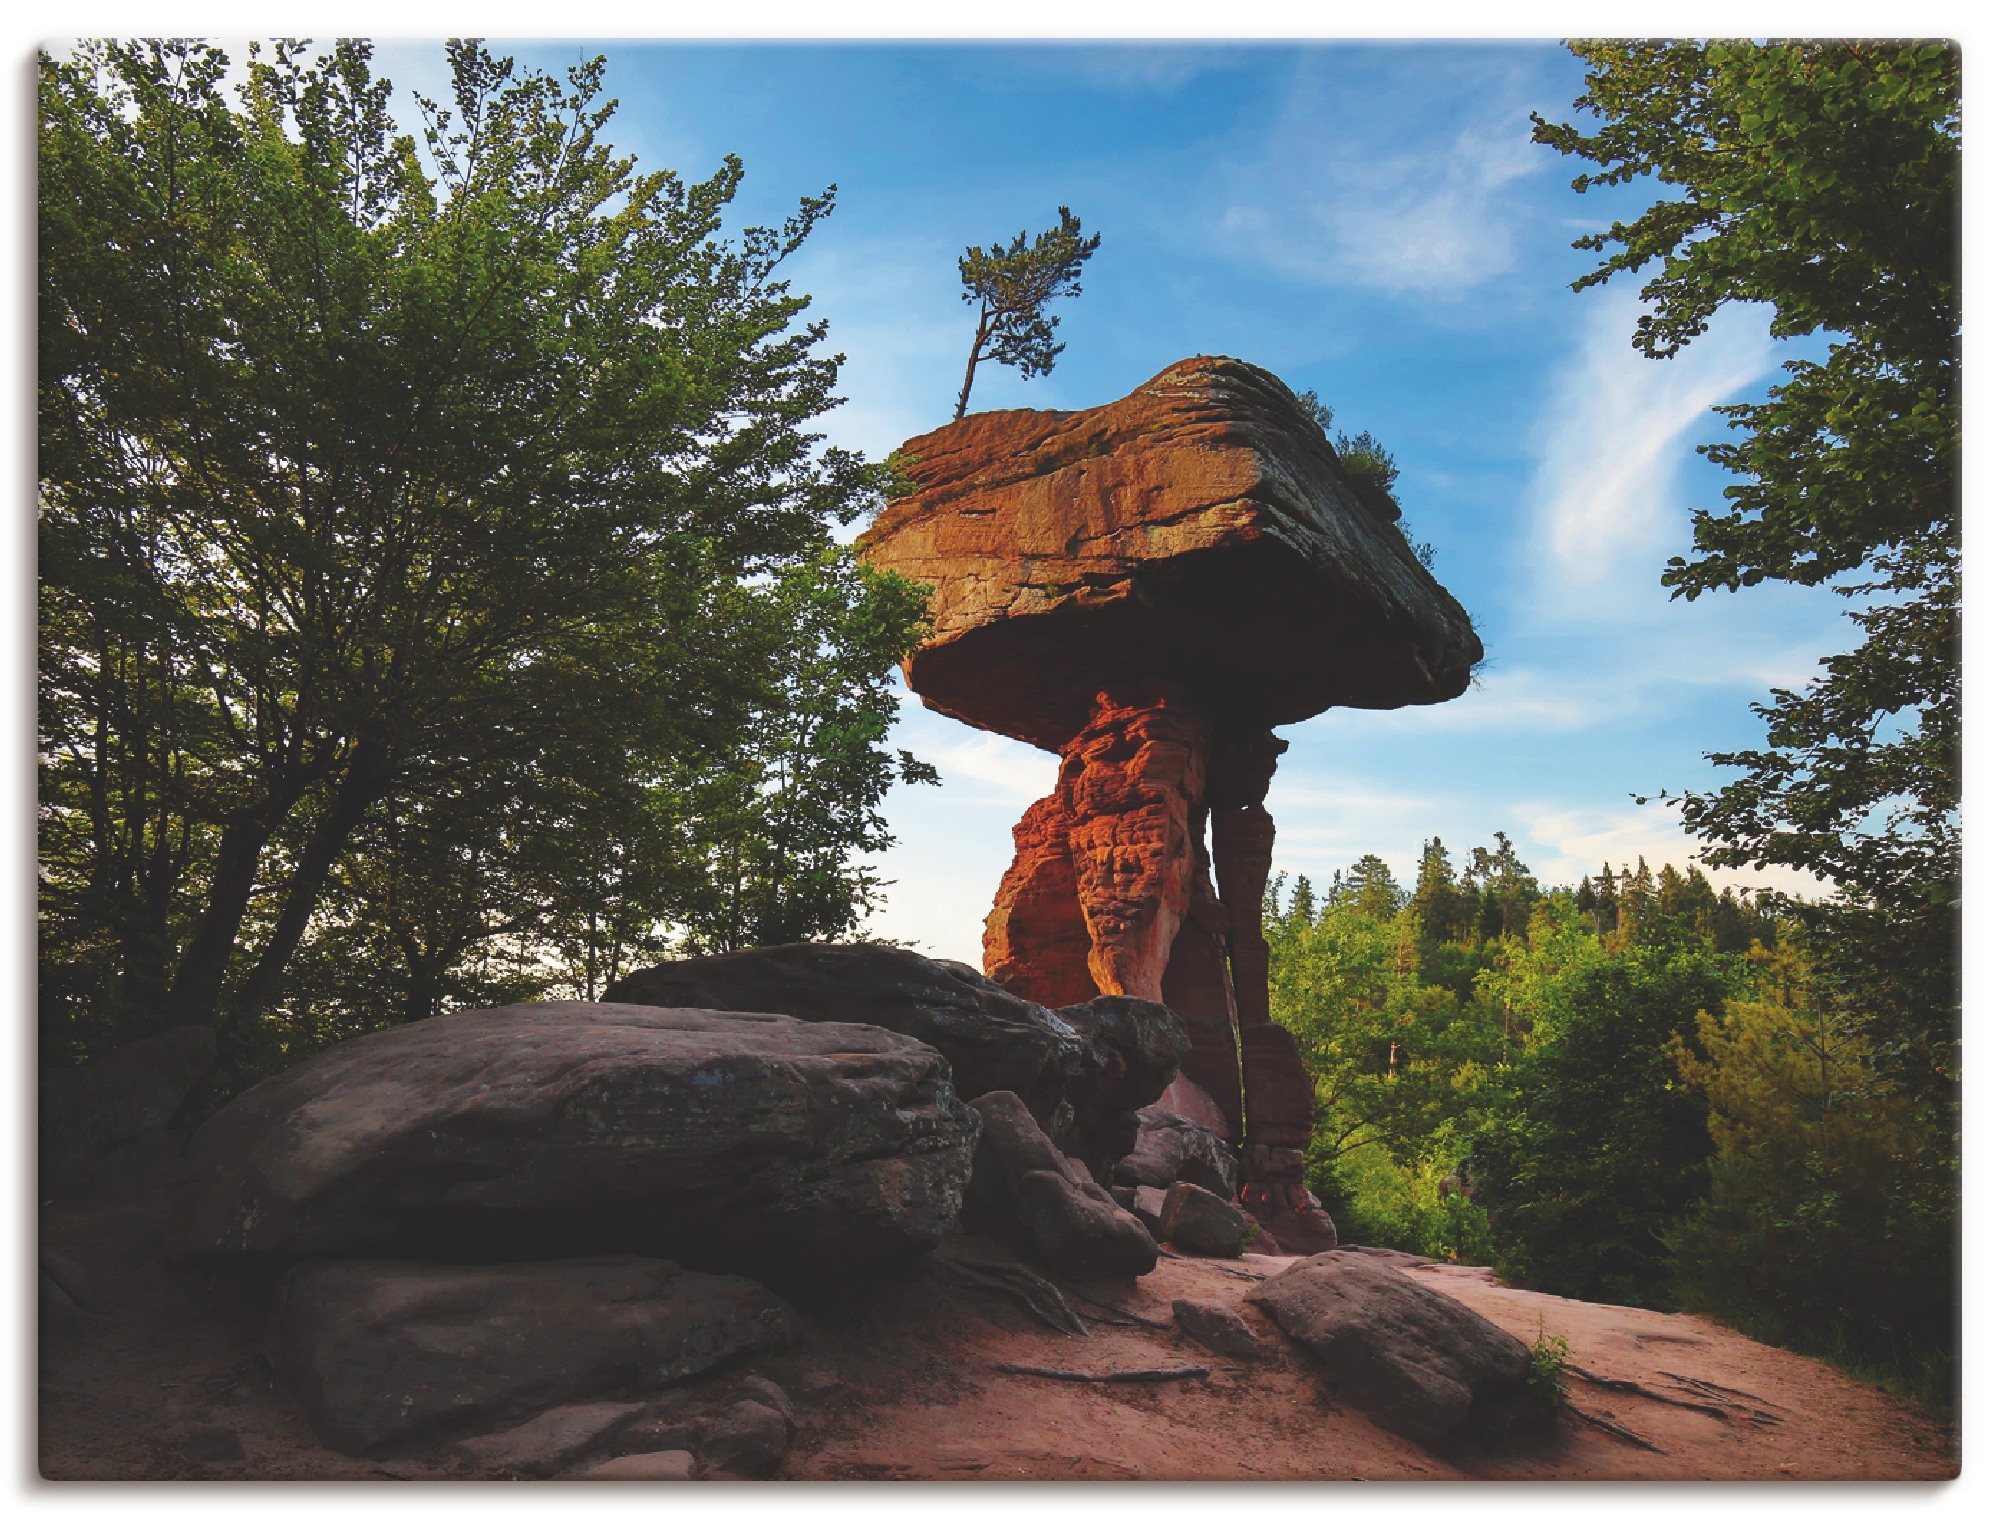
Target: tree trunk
x=198, y=980
x=362, y=786
x=972, y=363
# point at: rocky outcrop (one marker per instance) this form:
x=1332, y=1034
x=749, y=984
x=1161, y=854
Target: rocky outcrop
x=726, y=1140
x=553, y=1439
x=382, y=1351
x=1082, y=1070
x=1023, y=1191
x=994, y=1039
x=1146, y=589
x=1415, y=1361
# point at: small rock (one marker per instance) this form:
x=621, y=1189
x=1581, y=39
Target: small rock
x=644, y=1437
x=551, y=1440
x=1147, y=1202
x=651, y=1466
x=771, y=1395
x=1194, y=1219
x=1171, y=1149
x=750, y=1440
x=213, y=1445
x=1218, y=1327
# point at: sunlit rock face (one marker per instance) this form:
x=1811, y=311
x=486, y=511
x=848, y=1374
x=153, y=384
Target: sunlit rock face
x=1147, y=589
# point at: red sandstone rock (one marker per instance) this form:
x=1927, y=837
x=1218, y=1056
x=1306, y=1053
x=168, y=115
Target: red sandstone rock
x=1147, y=588
x=1200, y=529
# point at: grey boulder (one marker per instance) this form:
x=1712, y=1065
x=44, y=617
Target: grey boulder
x=1082, y=1071
x=1219, y=1328
x=380, y=1351
x=1193, y=1219
x=1024, y=1190
x=648, y=1466
x=1415, y=1361
x=726, y=1140
x=552, y=1440
x=1171, y=1148
x=993, y=1039
x=748, y=1440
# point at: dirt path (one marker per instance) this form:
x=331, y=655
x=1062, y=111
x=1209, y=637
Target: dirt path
x=1739, y=1410
x=899, y=1380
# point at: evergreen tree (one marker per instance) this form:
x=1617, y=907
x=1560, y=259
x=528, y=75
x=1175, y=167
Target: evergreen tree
x=1012, y=286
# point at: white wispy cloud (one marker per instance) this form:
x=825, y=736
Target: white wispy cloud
x=1618, y=436
x=1019, y=772
x=1349, y=188
x=1563, y=845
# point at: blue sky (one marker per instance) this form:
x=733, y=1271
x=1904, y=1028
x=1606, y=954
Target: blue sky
x=1369, y=220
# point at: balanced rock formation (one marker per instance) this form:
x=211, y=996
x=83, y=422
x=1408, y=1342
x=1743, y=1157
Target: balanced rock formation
x=1415, y=1361
x=1083, y=1071
x=788, y=1150
x=1146, y=589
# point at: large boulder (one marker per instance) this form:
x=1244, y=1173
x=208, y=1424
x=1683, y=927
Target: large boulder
x=1414, y=1360
x=735, y=1140
x=995, y=1041
x=1023, y=1191
x=89, y=1110
x=1082, y=1070
x=383, y=1351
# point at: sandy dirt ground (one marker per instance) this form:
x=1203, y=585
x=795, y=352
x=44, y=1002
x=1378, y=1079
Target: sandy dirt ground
x=899, y=1380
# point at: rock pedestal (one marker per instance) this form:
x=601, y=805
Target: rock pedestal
x=1146, y=589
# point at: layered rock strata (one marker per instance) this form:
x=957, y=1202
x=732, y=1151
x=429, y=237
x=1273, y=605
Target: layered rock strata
x=1146, y=589
x=1083, y=1070
x=789, y=1150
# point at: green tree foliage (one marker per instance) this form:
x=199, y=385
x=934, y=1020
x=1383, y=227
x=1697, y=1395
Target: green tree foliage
x=1831, y=1223
x=1595, y=1142
x=1495, y=1063
x=1822, y=178
x=1012, y=285
x=434, y=549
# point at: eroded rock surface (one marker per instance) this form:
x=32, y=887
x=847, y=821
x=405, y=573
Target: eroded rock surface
x=1171, y=1149
x=1201, y=528
x=742, y=1140
x=381, y=1351
x=994, y=1039
x=1082, y=1070
x=1414, y=1360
